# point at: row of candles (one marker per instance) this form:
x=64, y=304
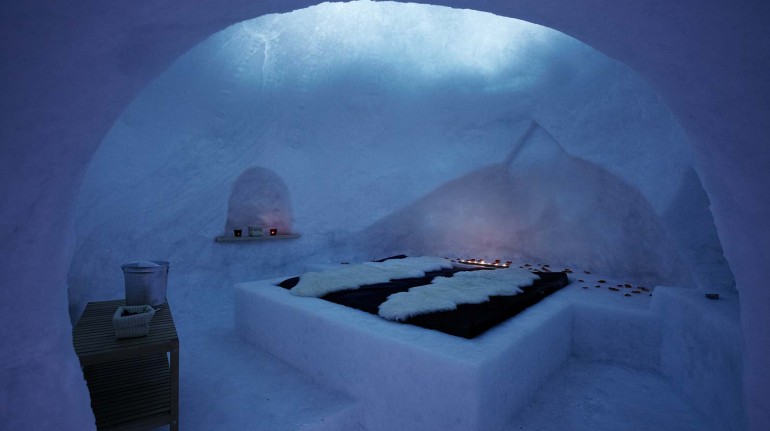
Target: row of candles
x=253, y=232
x=497, y=262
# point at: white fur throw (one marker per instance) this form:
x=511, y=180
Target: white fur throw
x=318, y=284
x=446, y=293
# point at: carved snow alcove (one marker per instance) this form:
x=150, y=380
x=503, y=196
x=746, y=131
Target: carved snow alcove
x=259, y=199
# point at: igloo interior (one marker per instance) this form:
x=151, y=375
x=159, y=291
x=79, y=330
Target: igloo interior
x=630, y=142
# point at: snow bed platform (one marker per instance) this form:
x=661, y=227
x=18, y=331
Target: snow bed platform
x=410, y=378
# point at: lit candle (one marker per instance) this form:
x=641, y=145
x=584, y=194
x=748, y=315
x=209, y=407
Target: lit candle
x=273, y=232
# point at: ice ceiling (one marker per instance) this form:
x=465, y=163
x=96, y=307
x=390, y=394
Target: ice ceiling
x=396, y=128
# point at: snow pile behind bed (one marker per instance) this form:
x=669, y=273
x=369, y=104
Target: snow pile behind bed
x=318, y=284
x=446, y=293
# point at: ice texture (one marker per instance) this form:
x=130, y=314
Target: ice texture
x=388, y=129
x=538, y=203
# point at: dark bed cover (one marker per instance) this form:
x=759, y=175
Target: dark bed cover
x=468, y=320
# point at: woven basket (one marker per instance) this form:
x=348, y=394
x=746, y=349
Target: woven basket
x=134, y=325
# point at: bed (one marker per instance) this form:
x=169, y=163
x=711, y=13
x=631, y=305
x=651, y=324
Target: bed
x=407, y=377
x=467, y=320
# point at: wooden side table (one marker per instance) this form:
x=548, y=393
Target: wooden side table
x=134, y=382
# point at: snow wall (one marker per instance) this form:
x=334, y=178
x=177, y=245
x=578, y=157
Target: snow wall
x=69, y=71
x=393, y=128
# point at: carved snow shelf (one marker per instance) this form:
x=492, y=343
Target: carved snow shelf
x=256, y=238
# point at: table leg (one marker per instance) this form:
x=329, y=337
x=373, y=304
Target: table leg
x=175, y=388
